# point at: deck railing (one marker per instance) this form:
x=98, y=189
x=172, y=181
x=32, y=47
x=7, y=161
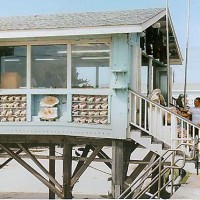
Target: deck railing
x=160, y=122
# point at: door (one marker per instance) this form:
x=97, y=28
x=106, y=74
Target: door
x=161, y=81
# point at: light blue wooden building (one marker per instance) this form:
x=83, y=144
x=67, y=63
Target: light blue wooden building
x=68, y=55
x=83, y=79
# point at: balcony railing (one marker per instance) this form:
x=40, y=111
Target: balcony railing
x=160, y=122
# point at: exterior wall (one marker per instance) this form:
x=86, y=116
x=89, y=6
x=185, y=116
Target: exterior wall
x=117, y=96
x=119, y=84
x=135, y=59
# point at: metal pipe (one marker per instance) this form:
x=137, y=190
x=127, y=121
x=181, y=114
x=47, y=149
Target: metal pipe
x=168, y=59
x=186, y=53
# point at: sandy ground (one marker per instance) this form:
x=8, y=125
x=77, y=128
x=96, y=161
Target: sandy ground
x=17, y=183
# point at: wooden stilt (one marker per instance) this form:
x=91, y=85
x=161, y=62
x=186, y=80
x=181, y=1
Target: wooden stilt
x=31, y=170
x=52, y=169
x=129, y=147
x=117, y=168
x=67, y=170
x=28, y=153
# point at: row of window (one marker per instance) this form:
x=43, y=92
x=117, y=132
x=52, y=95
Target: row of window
x=90, y=66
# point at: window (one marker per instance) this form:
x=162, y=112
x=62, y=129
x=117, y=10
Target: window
x=90, y=65
x=13, y=67
x=49, y=66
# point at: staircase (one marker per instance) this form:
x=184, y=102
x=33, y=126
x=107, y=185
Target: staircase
x=147, y=141
x=164, y=132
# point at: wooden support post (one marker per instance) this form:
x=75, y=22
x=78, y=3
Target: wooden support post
x=51, y=169
x=67, y=170
x=32, y=157
x=129, y=147
x=117, y=168
x=31, y=170
x=80, y=163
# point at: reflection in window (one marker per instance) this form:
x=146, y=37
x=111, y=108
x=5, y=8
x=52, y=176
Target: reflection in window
x=13, y=67
x=49, y=66
x=90, y=65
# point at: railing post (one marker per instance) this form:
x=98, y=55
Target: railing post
x=159, y=178
x=173, y=134
x=172, y=173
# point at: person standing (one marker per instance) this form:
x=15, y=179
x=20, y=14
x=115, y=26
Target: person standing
x=194, y=112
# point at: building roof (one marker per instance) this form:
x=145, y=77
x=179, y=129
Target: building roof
x=88, y=23
x=78, y=20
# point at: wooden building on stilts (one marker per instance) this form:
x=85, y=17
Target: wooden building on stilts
x=83, y=79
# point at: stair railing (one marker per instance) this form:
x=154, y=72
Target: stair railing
x=160, y=121
x=135, y=189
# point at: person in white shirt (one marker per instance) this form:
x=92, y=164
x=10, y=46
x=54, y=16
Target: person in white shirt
x=194, y=112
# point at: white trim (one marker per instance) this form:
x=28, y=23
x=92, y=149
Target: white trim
x=47, y=41
x=176, y=40
x=69, y=67
x=28, y=68
x=153, y=20
x=70, y=31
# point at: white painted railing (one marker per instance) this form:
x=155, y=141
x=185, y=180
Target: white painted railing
x=160, y=121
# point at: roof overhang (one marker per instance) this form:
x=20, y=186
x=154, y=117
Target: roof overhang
x=98, y=30
x=70, y=31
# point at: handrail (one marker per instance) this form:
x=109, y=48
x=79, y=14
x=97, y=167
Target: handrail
x=154, y=118
x=164, y=108
x=158, y=163
x=136, y=101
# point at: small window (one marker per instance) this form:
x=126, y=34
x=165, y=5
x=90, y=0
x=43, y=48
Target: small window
x=90, y=65
x=49, y=66
x=13, y=67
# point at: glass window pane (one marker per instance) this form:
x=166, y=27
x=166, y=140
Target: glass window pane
x=49, y=66
x=91, y=65
x=13, y=67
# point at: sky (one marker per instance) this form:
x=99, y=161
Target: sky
x=178, y=11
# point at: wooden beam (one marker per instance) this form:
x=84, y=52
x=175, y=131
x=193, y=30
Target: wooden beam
x=129, y=147
x=138, y=169
x=102, y=155
x=145, y=175
x=67, y=170
x=75, y=158
x=81, y=162
x=32, y=171
x=51, y=169
x=28, y=153
x=117, y=168
x=7, y=161
x=53, y=139
x=85, y=165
